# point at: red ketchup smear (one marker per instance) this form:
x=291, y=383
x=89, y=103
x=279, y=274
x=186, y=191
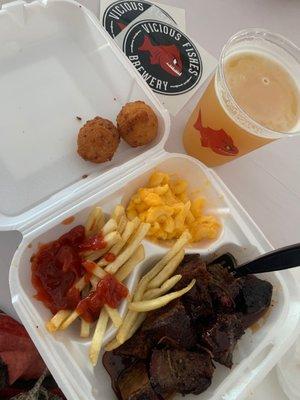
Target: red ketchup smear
x=55, y=268
x=89, y=266
x=110, y=257
x=95, y=242
x=108, y=291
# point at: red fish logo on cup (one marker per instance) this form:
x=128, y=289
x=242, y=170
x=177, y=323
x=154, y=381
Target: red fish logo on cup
x=218, y=141
x=165, y=57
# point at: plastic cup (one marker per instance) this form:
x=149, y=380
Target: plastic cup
x=219, y=130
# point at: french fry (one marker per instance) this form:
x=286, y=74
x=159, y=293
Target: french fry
x=91, y=226
x=129, y=266
x=110, y=239
x=140, y=318
x=98, y=337
x=92, y=268
x=130, y=249
x=165, y=287
x=72, y=317
x=112, y=345
x=81, y=284
x=62, y=315
x=94, y=281
x=110, y=226
x=149, y=305
x=100, y=221
x=131, y=226
x=167, y=271
x=122, y=224
x=85, y=329
x=56, y=321
x=131, y=316
x=179, y=244
x=114, y=316
x=125, y=328
x=118, y=212
x=138, y=322
x=85, y=326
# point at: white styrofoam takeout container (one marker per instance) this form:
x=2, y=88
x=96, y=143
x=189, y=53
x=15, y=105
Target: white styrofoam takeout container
x=56, y=63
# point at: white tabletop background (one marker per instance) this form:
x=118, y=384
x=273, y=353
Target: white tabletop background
x=267, y=181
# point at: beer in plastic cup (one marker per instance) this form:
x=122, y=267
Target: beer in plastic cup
x=252, y=100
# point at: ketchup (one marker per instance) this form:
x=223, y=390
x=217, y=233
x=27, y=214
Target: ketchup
x=108, y=291
x=55, y=268
x=95, y=242
x=110, y=257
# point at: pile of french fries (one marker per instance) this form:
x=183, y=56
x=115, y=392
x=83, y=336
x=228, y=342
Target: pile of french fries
x=123, y=239
x=152, y=292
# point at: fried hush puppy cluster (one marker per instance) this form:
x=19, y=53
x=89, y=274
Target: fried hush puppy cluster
x=99, y=138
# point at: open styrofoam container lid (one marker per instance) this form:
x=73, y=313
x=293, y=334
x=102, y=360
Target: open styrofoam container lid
x=57, y=63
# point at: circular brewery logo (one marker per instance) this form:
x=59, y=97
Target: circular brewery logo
x=165, y=57
x=121, y=13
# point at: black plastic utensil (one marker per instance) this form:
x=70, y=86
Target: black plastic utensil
x=277, y=260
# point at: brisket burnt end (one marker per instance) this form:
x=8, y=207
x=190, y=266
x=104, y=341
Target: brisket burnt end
x=221, y=336
x=134, y=383
x=254, y=298
x=223, y=288
x=139, y=346
x=115, y=364
x=197, y=301
x=182, y=371
x=170, y=322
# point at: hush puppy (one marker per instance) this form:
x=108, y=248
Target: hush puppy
x=98, y=140
x=137, y=124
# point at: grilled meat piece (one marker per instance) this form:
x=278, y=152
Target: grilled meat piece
x=180, y=371
x=139, y=346
x=197, y=301
x=221, y=336
x=223, y=288
x=171, y=322
x=134, y=383
x=254, y=298
x=115, y=364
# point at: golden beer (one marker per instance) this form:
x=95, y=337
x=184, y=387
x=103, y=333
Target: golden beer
x=252, y=100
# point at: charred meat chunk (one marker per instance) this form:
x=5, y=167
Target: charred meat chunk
x=254, y=298
x=223, y=288
x=139, y=346
x=115, y=364
x=182, y=371
x=221, y=336
x=134, y=383
x=170, y=321
x=192, y=267
x=197, y=301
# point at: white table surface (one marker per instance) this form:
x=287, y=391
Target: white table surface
x=270, y=176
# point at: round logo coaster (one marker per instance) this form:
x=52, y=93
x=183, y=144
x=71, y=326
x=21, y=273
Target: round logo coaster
x=121, y=13
x=165, y=57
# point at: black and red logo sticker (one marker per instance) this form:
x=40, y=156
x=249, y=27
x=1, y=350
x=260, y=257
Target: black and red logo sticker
x=165, y=57
x=121, y=13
